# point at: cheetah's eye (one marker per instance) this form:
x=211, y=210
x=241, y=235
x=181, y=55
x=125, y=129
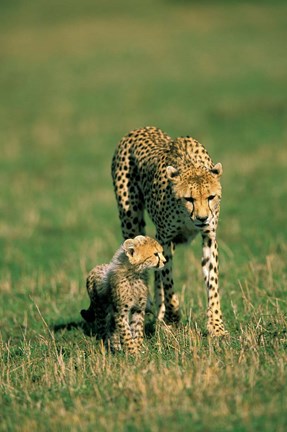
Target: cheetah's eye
x=189, y=199
x=211, y=197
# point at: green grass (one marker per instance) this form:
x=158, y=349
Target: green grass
x=74, y=77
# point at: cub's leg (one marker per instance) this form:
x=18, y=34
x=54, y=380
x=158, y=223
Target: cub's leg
x=168, y=307
x=97, y=309
x=137, y=328
x=89, y=314
x=112, y=341
x=137, y=323
x=123, y=331
x=210, y=271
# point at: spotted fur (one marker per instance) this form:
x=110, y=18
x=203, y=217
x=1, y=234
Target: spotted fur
x=119, y=293
x=178, y=184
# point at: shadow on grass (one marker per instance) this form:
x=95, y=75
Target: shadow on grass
x=89, y=329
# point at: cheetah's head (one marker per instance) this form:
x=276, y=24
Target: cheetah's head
x=198, y=189
x=144, y=252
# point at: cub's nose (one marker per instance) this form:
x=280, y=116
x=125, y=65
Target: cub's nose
x=160, y=256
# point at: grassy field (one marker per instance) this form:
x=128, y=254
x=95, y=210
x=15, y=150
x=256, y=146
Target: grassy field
x=74, y=77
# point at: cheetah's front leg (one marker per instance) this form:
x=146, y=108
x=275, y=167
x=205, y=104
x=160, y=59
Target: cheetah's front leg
x=210, y=271
x=159, y=295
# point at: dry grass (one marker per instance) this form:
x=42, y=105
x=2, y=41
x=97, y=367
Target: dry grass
x=62, y=376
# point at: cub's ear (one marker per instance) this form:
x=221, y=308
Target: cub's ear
x=172, y=172
x=129, y=247
x=140, y=239
x=217, y=169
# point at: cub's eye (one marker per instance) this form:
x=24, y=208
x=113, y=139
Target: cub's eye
x=211, y=197
x=189, y=199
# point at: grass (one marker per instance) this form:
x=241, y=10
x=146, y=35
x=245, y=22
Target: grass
x=75, y=77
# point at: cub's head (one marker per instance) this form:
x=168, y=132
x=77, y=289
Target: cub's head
x=144, y=253
x=198, y=189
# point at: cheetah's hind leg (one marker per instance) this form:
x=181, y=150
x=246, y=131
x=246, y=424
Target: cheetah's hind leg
x=129, y=197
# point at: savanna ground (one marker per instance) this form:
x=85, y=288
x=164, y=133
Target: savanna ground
x=74, y=77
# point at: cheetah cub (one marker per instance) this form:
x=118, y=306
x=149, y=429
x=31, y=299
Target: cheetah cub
x=119, y=293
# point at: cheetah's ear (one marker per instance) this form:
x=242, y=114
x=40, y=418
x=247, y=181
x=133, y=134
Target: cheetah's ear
x=217, y=169
x=172, y=172
x=129, y=247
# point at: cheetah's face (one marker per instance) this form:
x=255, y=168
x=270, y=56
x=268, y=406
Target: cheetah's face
x=144, y=252
x=198, y=190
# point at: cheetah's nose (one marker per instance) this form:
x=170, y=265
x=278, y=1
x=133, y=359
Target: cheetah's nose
x=202, y=219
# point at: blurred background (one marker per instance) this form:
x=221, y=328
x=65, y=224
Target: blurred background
x=76, y=76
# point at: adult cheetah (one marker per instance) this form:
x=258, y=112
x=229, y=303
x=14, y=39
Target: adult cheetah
x=119, y=293
x=178, y=184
